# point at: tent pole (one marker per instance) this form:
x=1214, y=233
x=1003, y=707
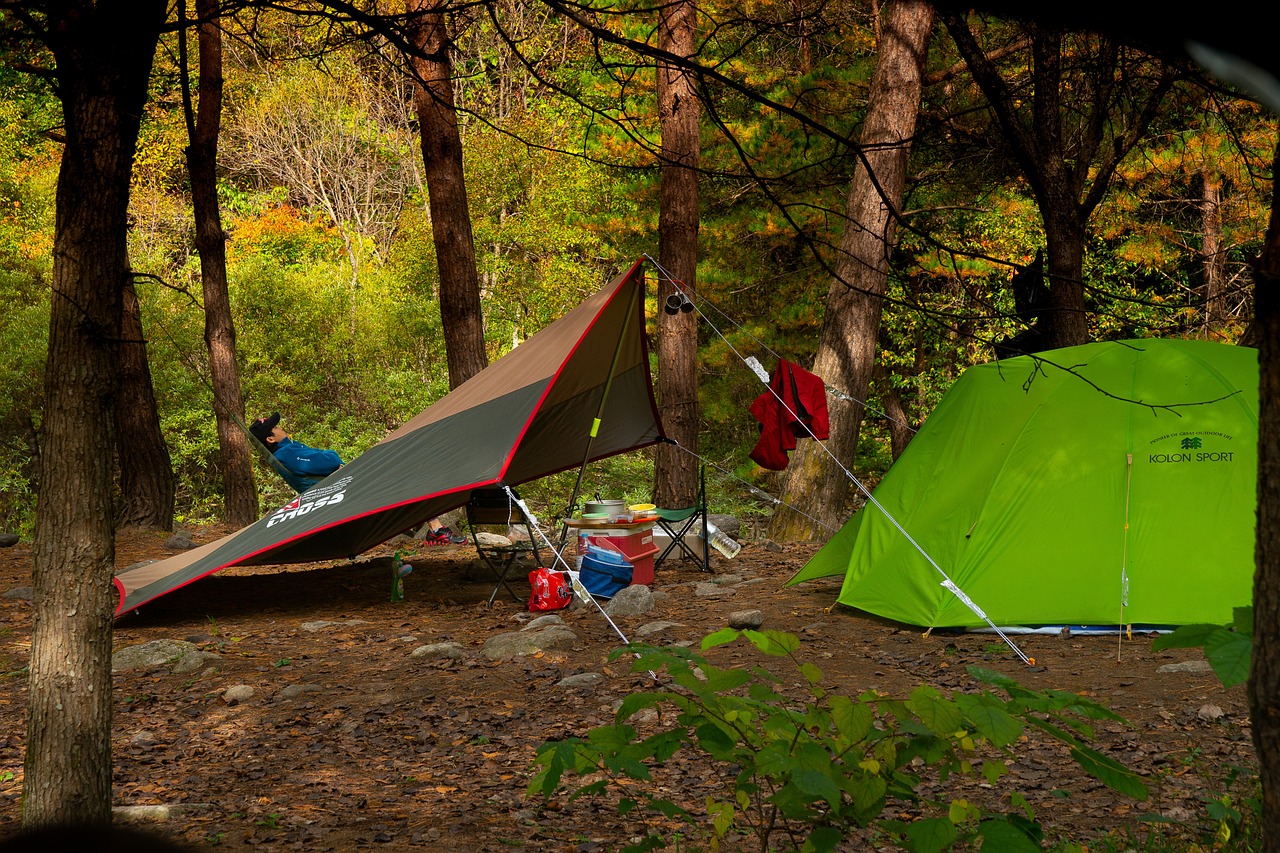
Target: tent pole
x=1124, y=556
x=595, y=423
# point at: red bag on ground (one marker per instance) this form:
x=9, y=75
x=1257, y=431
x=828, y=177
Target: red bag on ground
x=550, y=590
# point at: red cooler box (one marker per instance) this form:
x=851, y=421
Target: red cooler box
x=633, y=541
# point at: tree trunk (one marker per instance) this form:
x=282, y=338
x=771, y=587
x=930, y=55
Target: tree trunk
x=676, y=471
x=1212, y=255
x=815, y=483
x=1064, y=233
x=103, y=52
x=240, y=495
x=146, y=472
x=899, y=423
x=1264, y=675
x=1068, y=131
x=447, y=192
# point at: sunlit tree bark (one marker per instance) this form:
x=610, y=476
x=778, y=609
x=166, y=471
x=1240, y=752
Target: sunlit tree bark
x=815, y=482
x=103, y=52
x=239, y=494
x=460, y=311
x=678, y=115
x=1213, y=253
x=147, y=487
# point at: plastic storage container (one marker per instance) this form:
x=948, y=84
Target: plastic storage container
x=604, y=573
x=635, y=543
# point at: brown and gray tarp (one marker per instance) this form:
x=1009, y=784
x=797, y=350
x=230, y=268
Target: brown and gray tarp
x=529, y=414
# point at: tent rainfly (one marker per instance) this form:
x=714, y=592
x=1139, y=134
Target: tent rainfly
x=1110, y=484
x=579, y=389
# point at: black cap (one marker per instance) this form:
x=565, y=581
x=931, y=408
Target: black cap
x=262, y=427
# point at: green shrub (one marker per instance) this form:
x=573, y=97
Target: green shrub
x=808, y=774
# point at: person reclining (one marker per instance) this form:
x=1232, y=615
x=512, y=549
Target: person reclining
x=305, y=466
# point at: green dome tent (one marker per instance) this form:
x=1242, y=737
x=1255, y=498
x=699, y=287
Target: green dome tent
x=1107, y=484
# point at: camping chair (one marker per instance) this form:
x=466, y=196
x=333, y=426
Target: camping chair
x=678, y=522
x=492, y=508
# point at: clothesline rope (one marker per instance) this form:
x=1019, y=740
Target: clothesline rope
x=753, y=362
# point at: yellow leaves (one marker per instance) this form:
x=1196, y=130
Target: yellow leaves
x=279, y=230
x=962, y=811
x=721, y=814
x=35, y=245
x=1154, y=248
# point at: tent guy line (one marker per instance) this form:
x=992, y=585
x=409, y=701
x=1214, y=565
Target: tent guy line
x=947, y=582
x=1124, y=551
x=751, y=487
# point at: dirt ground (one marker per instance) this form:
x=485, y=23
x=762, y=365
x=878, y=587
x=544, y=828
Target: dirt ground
x=386, y=751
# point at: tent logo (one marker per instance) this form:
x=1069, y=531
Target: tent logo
x=1191, y=446
x=328, y=495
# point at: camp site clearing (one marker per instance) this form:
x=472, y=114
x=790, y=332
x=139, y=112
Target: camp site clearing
x=348, y=742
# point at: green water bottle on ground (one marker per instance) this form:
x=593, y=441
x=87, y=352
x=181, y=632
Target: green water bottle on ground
x=399, y=570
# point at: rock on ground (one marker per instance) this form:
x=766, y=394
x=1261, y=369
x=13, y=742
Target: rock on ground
x=746, y=619
x=630, y=601
x=521, y=643
x=447, y=651
x=184, y=656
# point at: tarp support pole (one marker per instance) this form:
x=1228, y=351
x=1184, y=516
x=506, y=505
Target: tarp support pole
x=595, y=424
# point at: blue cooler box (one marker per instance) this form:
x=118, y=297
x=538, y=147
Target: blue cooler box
x=604, y=573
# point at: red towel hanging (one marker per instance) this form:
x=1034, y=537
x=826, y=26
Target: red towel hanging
x=801, y=411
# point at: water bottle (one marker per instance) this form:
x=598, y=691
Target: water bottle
x=722, y=542
x=399, y=571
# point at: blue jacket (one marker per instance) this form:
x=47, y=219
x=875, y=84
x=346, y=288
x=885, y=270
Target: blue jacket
x=307, y=464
